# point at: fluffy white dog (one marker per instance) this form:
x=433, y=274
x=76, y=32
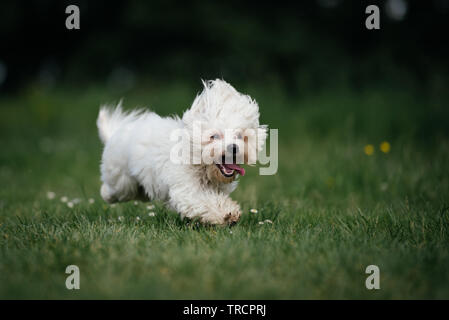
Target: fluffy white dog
x=190, y=163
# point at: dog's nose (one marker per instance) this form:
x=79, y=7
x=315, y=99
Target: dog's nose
x=232, y=148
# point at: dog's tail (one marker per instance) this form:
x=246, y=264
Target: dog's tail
x=109, y=120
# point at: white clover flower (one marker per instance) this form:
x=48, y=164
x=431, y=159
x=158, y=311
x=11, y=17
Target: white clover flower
x=150, y=207
x=70, y=204
x=136, y=203
x=151, y=214
x=91, y=201
x=253, y=211
x=260, y=222
x=137, y=218
x=64, y=199
x=51, y=195
x=230, y=232
x=268, y=221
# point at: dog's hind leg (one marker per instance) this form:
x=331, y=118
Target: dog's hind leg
x=124, y=188
x=107, y=193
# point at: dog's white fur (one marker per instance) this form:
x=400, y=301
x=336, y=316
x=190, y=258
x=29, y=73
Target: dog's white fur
x=136, y=158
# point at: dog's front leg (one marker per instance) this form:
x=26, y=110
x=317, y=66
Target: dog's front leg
x=209, y=206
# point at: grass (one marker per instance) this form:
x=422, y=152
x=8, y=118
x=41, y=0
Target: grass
x=335, y=210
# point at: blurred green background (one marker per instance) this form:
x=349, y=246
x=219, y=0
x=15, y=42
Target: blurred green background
x=305, y=47
x=335, y=90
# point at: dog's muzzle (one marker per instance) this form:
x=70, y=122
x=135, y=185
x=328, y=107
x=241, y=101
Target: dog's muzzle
x=229, y=169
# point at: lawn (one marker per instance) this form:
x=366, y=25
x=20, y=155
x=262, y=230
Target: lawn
x=335, y=209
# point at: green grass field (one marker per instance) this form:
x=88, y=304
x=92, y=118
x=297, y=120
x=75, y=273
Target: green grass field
x=335, y=209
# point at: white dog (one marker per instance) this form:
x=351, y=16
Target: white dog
x=140, y=154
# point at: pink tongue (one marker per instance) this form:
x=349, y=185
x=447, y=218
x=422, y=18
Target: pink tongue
x=235, y=167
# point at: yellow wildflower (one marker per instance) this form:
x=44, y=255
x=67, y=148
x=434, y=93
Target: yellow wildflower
x=385, y=147
x=369, y=149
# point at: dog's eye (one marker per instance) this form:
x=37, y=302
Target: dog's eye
x=215, y=136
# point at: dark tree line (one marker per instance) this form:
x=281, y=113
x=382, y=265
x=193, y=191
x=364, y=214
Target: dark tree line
x=308, y=43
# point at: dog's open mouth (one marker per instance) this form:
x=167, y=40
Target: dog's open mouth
x=228, y=170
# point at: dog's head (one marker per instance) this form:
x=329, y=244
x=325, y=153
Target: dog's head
x=225, y=130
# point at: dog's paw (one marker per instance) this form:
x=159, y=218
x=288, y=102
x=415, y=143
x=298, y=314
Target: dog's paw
x=107, y=194
x=216, y=210
x=231, y=218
